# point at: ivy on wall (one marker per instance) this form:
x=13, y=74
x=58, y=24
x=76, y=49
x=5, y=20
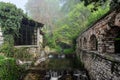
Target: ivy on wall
x=10, y=23
x=10, y=19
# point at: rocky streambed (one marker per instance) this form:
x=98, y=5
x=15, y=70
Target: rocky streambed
x=57, y=67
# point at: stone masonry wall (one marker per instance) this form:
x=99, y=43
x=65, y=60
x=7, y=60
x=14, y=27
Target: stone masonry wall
x=98, y=48
x=101, y=67
x=105, y=31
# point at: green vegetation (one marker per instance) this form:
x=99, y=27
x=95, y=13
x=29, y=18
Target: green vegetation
x=17, y=53
x=65, y=20
x=22, y=54
x=2, y=57
x=9, y=70
x=10, y=23
x=114, y=4
x=10, y=19
x=76, y=20
x=68, y=51
x=7, y=49
x=59, y=64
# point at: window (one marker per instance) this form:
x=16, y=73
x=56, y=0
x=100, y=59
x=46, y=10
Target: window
x=28, y=34
x=93, y=43
x=80, y=43
x=117, y=44
x=84, y=43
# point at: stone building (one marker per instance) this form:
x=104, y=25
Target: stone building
x=30, y=36
x=99, y=47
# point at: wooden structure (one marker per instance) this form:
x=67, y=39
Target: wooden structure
x=30, y=35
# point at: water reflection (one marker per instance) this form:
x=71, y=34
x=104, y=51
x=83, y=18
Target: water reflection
x=66, y=75
x=50, y=56
x=60, y=67
x=56, y=56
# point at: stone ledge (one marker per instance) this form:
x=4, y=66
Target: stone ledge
x=27, y=46
x=111, y=57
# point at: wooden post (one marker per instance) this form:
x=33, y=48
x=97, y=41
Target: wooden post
x=38, y=42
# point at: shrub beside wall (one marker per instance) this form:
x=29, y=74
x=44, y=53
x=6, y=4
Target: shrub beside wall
x=9, y=70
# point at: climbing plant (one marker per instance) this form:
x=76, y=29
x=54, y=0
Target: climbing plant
x=10, y=19
x=10, y=22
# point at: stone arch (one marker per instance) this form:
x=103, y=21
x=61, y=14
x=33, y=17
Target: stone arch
x=80, y=43
x=112, y=40
x=93, y=43
x=84, y=43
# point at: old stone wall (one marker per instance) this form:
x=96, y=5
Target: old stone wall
x=101, y=67
x=100, y=36
x=99, y=48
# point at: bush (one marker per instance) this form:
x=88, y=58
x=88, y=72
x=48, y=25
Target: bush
x=22, y=53
x=7, y=49
x=1, y=57
x=9, y=70
x=68, y=51
x=58, y=49
x=18, y=53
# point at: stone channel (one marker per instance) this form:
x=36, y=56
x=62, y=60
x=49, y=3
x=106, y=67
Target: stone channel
x=57, y=67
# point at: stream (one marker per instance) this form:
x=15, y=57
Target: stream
x=57, y=67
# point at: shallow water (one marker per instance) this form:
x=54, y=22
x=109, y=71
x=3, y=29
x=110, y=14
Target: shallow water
x=56, y=75
x=57, y=67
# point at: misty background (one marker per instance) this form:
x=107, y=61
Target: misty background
x=63, y=20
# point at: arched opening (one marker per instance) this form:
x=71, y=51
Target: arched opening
x=117, y=44
x=93, y=43
x=112, y=40
x=80, y=43
x=84, y=43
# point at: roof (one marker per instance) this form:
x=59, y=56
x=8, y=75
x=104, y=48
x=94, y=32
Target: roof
x=30, y=22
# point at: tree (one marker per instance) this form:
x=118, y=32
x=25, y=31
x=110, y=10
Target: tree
x=45, y=11
x=10, y=23
x=75, y=18
x=114, y=4
x=78, y=19
x=68, y=5
x=10, y=19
